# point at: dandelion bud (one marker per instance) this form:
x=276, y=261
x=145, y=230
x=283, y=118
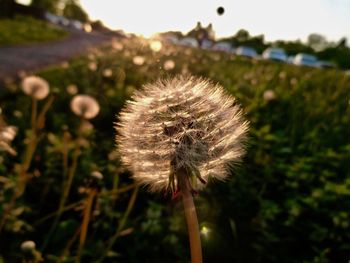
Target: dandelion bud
x=36, y=87
x=180, y=123
x=85, y=106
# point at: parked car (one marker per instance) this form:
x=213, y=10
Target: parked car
x=277, y=54
x=170, y=39
x=189, y=42
x=206, y=44
x=325, y=64
x=246, y=52
x=222, y=46
x=290, y=60
x=308, y=60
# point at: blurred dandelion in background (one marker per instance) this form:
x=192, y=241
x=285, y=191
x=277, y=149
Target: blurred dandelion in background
x=72, y=89
x=7, y=135
x=92, y=66
x=269, y=95
x=156, y=45
x=36, y=87
x=85, y=106
x=117, y=45
x=169, y=64
x=138, y=60
x=28, y=246
x=107, y=73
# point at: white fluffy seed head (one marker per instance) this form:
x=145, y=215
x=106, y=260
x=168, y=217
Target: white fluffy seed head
x=85, y=106
x=36, y=87
x=184, y=122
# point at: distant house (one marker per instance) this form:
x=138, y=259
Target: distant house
x=202, y=34
x=222, y=46
x=246, y=52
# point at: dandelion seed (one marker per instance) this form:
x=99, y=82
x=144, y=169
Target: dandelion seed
x=169, y=64
x=85, y=106
x=138, y=60
x=36, y=87
x=181, y=123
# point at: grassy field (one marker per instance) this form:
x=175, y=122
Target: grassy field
x=26, y=30
x=287, y=202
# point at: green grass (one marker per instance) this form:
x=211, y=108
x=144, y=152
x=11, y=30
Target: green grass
x=26, y=30
x=288, y=202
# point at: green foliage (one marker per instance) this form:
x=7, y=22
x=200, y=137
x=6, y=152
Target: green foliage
x=47, y=5
x=287, y=202
x=73, y=10
x=25, y=30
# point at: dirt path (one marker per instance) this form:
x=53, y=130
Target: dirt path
x=35, y=56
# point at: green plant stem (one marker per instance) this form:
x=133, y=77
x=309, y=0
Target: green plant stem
x=65, y=194
x=85, y=223
x=121, y=224
x=191, y=216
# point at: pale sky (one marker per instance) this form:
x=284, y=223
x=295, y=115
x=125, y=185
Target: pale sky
x=276, y=19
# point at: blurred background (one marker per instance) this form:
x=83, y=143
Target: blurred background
x=66, y=197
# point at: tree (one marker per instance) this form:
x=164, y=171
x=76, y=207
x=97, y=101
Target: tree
x=242, y=35
x=317, y=41
x=73, y=9
x=7, y=8
x=47, y=5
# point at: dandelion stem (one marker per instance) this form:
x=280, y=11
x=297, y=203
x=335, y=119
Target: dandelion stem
x=191, y=216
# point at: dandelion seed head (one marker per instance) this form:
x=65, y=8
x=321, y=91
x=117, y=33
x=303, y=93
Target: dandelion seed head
x=184, y=122
x=36, y=87
x=85, y=106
